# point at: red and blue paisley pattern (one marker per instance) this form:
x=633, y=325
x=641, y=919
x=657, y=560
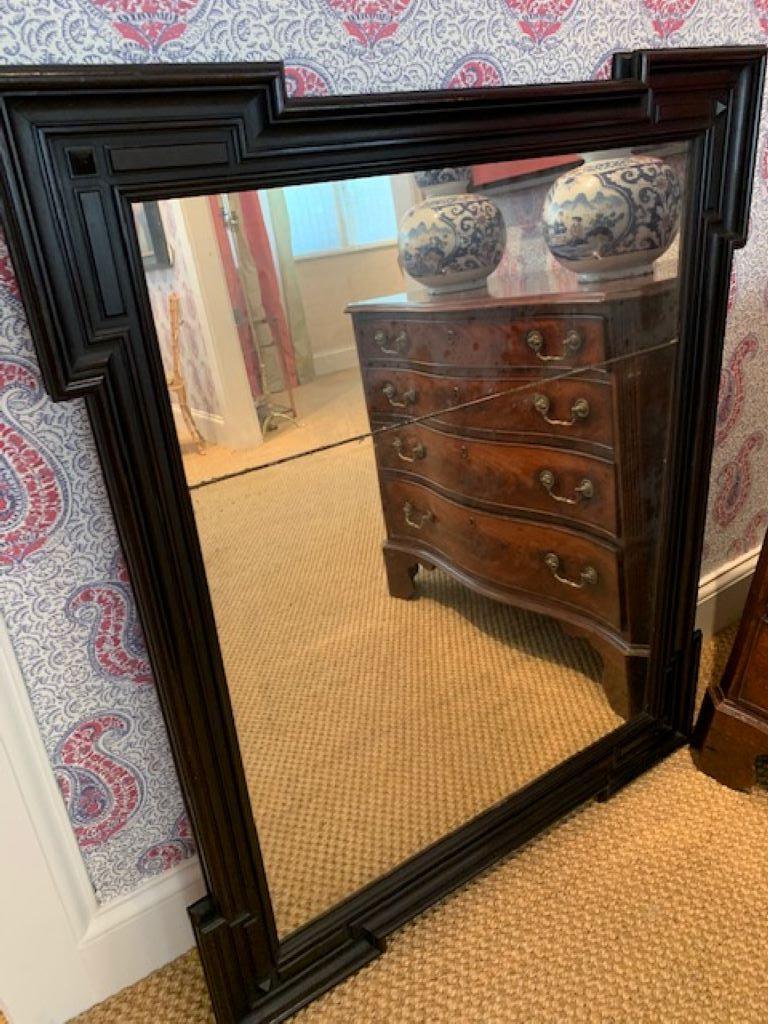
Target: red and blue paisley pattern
x=31, y=498
x=7, y=277
x=539, y=19
x=761, y=9
x=150, y=24
x=305, y=80
x=669, y=16
x=477, y=72
x=732, y=388
x=115, y=644
x=752, y=537
x=735, y=479
x=101, y=790
x=370, y=21
x=603, y=70
x=169, y=852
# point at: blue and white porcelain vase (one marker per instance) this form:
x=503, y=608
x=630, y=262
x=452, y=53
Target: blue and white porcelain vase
x=443, y=181
x=613, y=217
x=451, y=243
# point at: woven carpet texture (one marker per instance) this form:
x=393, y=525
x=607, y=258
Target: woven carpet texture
x=649, y=909
x=371, y=726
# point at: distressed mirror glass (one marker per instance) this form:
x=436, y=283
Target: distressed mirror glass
x=424, y=422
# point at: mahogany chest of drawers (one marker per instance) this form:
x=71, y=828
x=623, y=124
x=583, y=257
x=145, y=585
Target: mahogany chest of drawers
x=525, y=451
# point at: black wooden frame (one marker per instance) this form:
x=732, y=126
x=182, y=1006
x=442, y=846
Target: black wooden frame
x=79, y=144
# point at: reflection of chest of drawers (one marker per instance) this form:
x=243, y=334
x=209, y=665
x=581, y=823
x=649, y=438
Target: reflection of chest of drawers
x=548, y=495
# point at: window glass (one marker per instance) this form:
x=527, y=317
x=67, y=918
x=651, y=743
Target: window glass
x=369, y=210
x=315, y=225
x=330, y=216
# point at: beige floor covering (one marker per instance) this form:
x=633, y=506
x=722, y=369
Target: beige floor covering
x=650, y=908
x=370, y=726
x=611, y=916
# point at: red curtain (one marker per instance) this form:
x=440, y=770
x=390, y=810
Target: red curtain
x=257, y=240
x=254, y=233
x=236, y=297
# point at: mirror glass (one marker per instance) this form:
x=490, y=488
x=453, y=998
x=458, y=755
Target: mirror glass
x=424, y=422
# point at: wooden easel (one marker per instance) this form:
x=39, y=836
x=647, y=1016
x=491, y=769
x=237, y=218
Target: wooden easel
x=175, y=381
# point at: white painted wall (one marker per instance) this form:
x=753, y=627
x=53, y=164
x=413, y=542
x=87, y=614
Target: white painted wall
x=329, y=282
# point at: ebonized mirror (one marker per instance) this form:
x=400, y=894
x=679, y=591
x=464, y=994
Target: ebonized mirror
x=405, y=405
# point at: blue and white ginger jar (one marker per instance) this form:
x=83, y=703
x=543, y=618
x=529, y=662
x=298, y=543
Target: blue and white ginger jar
x=443, y=181
x=451, y=243
x=612, y=218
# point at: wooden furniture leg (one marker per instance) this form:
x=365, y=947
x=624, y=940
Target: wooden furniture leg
x=624, y=679
x=186, y=413
x=401, y=569
x=727, y=742
x=624, y=675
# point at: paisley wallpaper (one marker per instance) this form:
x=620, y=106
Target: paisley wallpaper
x=63, y=586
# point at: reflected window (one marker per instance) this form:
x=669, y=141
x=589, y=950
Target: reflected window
x=331, y=216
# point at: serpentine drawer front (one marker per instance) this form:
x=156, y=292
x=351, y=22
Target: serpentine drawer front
x=536, y=476
x=499, y=340
x=575, y=409
x=575, y=487
x=549, y=562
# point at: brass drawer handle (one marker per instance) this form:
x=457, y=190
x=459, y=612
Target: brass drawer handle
x=572, y=342
x=587, y=577
x=423, y=517
x=398, y=346
x=584, y=490
x=390, y=393
x=418, y=450
x=579, y=411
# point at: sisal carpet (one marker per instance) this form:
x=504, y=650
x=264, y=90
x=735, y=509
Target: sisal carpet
x=650, y=908
x=369, y=726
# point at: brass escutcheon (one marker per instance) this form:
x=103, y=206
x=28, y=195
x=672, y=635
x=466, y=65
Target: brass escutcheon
x=418, y=450
x=398, y=345
x=423, y=517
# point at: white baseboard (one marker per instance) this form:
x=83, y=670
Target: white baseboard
x=722, y=593
x=132, y=936
x=334, y=360
x=209, y=424
x=229, y=433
